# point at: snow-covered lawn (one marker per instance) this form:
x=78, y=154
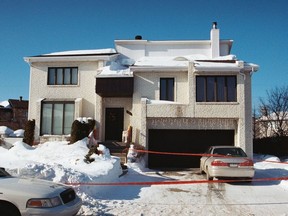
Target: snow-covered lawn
x=60, y=162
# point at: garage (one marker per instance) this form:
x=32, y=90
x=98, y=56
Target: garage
x=183, y=141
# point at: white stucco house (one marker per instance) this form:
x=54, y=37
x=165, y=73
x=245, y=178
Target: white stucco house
x=178, y=96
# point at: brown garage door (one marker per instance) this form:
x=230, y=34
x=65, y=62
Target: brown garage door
x=188, y=141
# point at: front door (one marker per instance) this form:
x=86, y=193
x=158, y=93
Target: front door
x=114, y=118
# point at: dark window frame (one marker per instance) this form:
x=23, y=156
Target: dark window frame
x=216, y=88
x=59, y=73
x=53, y=103
x=167, y=88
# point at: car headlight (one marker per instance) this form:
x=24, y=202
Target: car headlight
x=43, y=203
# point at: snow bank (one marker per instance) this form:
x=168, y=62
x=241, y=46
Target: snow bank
x=270, y=158
x=5, y=131
x=60, y=162
x=17, y=133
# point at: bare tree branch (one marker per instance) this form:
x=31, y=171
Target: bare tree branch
x=274, y=110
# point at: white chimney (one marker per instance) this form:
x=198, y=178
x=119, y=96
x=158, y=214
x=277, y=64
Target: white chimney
x=215, y=41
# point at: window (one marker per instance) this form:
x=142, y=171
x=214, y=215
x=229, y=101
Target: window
x=63, y=76
x=216, y=88
x=167, y=89
x=57, y=118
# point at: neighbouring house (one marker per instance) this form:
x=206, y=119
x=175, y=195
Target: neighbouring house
x=271, y=125
x=14, y=113
x=176, y=96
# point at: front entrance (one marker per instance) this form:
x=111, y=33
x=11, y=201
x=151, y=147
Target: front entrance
x=114, y=118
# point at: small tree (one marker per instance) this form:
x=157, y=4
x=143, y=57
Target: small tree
x=80, y=130
x=274, y=110
x=29, y=132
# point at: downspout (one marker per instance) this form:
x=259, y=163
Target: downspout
x=240, y=64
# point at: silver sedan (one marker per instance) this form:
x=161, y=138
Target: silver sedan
x=227, y=162
x=27, y=196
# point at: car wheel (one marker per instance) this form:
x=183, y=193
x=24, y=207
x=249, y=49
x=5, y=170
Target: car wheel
x=9, y=210
x=201, y=170
x=208, y=177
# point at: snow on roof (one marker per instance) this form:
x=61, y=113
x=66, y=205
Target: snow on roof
x=115, y=69
x=201, y=62
x=208, y=65
x=5, y=104
x=83, y=52
x=178, y=61
x=161, y=102
x=225, y=66
x=203, y=57
x=160, y=62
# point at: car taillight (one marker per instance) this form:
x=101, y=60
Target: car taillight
x=218, y=163
x=247, y=162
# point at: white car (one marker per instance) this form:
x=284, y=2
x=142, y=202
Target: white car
x=28, y=196
x=227, y=162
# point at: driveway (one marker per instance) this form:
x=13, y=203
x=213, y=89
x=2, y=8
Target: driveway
x=256, y=198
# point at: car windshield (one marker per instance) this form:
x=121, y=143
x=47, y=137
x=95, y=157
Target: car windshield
x=237, y=152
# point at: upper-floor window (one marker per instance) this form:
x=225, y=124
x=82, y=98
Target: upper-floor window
x=216, y=89
x=62, y=76
x=57, y=117
x=167, y=89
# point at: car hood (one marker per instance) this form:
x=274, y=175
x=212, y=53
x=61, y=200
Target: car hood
x=30, y=186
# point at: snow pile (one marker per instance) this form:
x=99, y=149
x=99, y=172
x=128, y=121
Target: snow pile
x=272, y=166
x=5, y=131
x=8, y=132
x=60, y=162
x=269, y=158
x=17, y=133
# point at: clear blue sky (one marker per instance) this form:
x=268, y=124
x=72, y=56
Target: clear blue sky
x=259, y=29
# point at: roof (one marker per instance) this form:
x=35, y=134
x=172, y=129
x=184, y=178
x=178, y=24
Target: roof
x=75, y=55
x=18, y=103
x=200, y=63
x=108, y=51
x=126, y=67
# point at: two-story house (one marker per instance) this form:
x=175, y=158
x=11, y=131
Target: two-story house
x=178, y=96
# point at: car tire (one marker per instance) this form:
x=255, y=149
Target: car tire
x=201, y=170
x=9, y=210
x=208, y=177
